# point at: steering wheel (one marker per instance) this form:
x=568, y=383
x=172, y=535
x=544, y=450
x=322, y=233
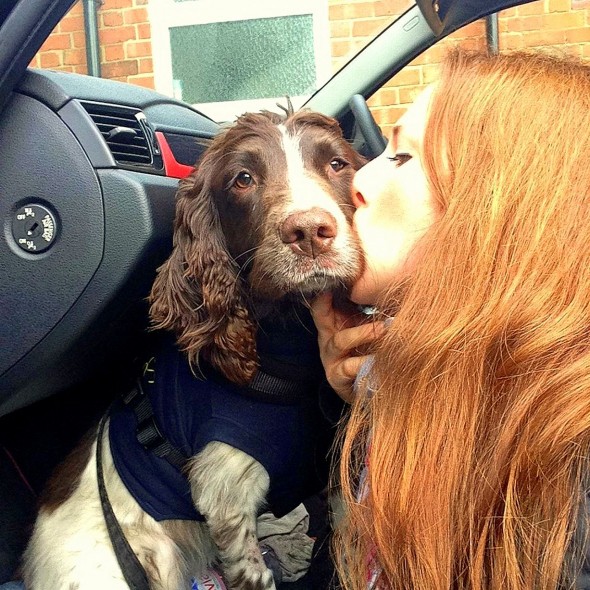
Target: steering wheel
x=367, y=125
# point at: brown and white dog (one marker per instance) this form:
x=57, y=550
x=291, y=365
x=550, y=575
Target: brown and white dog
x=265, y=219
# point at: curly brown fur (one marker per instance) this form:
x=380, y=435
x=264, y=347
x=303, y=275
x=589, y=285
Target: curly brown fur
x=197, y=293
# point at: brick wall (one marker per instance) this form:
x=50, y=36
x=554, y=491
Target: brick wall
x=354, y=22
x=124, y=38
x=125, y=41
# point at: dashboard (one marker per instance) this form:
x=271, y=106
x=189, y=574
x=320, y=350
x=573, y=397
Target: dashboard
x=88, y=173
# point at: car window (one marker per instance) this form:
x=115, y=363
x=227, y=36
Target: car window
x=554, y=25
x=224, y=56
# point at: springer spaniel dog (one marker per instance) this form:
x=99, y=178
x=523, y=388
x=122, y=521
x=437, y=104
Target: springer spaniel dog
x=261, y=225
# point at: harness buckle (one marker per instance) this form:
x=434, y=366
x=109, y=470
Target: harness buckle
x=149, y=435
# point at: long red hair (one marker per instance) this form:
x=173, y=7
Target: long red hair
x=479, y=422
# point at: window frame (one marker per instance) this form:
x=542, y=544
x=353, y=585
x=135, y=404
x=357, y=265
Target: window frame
x=167, y=14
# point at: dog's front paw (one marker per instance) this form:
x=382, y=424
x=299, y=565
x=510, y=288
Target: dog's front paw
x=249, y=575
x=229, y=487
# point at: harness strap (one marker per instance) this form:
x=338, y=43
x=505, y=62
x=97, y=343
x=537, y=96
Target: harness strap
x=147, y=432
x=269, y=388
x=132, y=570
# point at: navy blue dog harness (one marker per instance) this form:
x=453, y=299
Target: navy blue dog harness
x=288, y=435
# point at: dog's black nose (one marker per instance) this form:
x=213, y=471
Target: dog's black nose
x=309, y=233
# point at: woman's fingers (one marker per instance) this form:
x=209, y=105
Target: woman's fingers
x=343, y=343
x=327, y=317
x=358, y=338
x=343, y=374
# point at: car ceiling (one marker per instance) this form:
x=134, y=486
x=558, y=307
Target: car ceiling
x=5, y=9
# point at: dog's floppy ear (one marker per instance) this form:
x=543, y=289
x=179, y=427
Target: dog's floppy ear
x=197, y=293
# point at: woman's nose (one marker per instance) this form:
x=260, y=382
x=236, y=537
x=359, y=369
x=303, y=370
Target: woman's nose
x=361, y=185
x=357, y=198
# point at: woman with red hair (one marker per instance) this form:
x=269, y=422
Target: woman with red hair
x=465, y=457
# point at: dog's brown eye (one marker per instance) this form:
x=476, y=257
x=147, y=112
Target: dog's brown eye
x=337, y=164
x=243, y=180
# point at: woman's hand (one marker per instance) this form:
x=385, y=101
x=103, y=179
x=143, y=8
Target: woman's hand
x=343, y=341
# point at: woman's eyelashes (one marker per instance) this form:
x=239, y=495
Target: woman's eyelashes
x=400, y=158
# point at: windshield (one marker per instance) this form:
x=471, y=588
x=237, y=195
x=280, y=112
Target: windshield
x=223, y=56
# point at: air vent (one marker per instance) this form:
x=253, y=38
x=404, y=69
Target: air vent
x=128, y=135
